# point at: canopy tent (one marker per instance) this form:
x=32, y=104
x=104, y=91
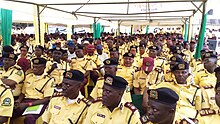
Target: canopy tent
x=127, y=12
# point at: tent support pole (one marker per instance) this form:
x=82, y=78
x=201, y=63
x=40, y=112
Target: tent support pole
x=38, y=19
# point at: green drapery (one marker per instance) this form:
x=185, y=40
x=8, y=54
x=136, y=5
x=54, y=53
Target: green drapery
x=201, y=38
x=6, y=26
x=147, y=29
x=186, y=28
x=96, y=30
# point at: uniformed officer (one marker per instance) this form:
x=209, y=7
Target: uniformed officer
x=6, y=103
x=111, y=108
x=127, y=70
x=12, y=74
x=54, y=68
x=161, y=107
x=110, y=67
x=189, y=94
x=144, y=77
x=114, y=53
x=70, y=108
x=206, y=79
x=38, y=52
x=37, y=90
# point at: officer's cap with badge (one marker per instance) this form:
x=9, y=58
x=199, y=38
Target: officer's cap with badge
x=111, y=61
x=39, y=61
x=128, y=55
x=142, y=45
x=11, y=56
x=163, y=95
x=24, y=46
x=115, y=81
x=133, y=46
x=114, y=49
x=40, y=47
x=153, y=48
x=181, y=66
x=211, y=54
x=57, y=49
x=176, y=59
x=79, y=46
x=75, y=75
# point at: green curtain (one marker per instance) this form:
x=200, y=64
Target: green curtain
x=147, y=29
x=201, y=38
x=98, y=30
x=6, y=26
x=186, y=32
x=94, y=30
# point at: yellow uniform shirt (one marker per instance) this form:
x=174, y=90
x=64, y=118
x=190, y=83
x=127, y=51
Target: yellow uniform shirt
x=97, y=91
x=16, y=74
x=82, y=64
x=57, y=73
x=99, y=114
x=127, y=73
x=142, y=80
x=190, y=98
x=168, y=75
x=6, y=102
x=95, y=59
x=62, y=110
x=207, y=82
x=37, y=87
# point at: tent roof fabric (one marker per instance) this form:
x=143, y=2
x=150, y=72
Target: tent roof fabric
x=127, y=12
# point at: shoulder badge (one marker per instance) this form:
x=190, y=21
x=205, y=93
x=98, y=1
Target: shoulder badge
x=57, y=94
x=86, y=101
x=19, y=72
x=130, y=106
x=98, y=99
x=6, y=102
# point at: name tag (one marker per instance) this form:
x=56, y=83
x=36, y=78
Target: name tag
x=57, y=107
x=101, y=115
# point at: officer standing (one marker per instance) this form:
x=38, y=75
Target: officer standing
x=70, y=108
x=111, y=108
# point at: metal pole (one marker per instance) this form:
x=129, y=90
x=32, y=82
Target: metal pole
x=119, y=24
x=38, y=19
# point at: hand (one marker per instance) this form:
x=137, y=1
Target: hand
x=23, y=106
x=54, y=66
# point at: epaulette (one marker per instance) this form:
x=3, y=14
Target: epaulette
x=98, y=99
x=5, y=86
x=194, y=85
x=57, y=94
x=199, y=63
x=131, y=107
x=17, y=67
x=73, y=58
x=144, y=119
x=29, y=71
x=100, y=78
x=201, y=70
x=86, y=101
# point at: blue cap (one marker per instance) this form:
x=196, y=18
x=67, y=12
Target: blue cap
x=99, y=47
x=70, y=43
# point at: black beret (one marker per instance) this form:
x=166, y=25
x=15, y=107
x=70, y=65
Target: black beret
x=142, y=45
x=24, y=46
x=114, y=49
x=211, y=54
x=57, y=49
x=40, y=47
x=11, y=56
x=39, y=61
x=217, y=69
x=163, y=95
x=111, y=61
x=79, y=46
x=133, y=46
x=154, y=48
x=74, y=75
x=176, y=59
x=115, y=81
x=8, y=49
x=128, y=55
x=181, y=66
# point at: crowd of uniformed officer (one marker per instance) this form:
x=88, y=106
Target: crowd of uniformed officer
x=137, y=79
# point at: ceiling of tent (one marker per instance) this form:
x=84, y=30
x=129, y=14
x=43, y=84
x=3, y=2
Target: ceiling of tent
x=126, y=12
